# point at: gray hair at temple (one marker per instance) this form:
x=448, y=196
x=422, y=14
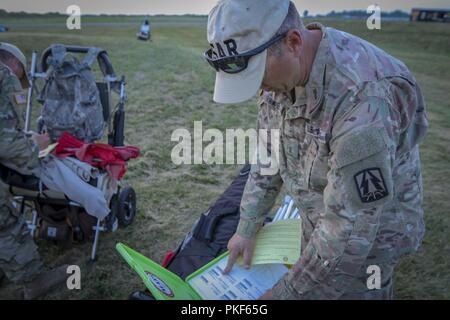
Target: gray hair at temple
x=292, y=21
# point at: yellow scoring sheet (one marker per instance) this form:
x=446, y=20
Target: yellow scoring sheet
x=278, y=242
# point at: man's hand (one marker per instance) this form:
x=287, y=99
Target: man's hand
x=239, y=245
x=42, y=140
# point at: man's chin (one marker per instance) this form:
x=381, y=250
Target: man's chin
x=274, y=90
x=283, y=89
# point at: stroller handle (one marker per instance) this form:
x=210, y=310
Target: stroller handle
x=102, y=58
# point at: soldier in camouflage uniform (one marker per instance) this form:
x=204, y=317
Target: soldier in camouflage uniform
x=349, y=156
x=19, y=258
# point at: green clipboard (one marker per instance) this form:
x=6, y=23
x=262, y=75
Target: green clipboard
x=163, y=284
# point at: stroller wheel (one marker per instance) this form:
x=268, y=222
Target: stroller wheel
x=126, y=206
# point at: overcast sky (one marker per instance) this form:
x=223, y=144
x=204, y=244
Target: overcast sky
x=202, y=6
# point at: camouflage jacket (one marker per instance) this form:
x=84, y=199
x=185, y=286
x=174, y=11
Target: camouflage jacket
x=16, y=150
x=349, y=157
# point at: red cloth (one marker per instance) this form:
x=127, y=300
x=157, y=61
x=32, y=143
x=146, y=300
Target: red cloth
x=100, y=155
x=167, y=259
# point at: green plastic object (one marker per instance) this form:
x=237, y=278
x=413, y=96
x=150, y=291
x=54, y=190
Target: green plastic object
x=163, y=284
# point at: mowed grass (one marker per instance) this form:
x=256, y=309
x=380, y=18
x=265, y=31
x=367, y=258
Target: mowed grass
x=169, y=86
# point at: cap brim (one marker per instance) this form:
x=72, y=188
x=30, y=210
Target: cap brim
x=242, y=86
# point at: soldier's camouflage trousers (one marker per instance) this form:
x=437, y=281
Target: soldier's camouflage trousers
x=19, y=258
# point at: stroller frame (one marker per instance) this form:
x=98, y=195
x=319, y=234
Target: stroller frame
x=29, y=188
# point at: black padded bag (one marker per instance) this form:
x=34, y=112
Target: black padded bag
x=209, y=236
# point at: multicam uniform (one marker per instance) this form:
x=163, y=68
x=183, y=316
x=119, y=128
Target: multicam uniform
x=19, y=258
x=349, y=157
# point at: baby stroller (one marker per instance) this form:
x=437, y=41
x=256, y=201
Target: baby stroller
x=54, y=216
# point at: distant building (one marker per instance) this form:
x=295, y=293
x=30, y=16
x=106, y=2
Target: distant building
x=434, y=15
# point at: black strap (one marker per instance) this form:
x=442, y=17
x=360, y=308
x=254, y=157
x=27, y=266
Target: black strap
x=204, y=231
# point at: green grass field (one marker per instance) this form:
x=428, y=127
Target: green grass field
x=170, y=86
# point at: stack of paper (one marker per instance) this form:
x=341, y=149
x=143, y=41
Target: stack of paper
x=277, y=246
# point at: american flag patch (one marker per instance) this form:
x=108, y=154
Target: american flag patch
x=20, y=98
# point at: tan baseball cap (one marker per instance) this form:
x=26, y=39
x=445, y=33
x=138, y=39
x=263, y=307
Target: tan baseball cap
x=12, y=49
x=236, y=27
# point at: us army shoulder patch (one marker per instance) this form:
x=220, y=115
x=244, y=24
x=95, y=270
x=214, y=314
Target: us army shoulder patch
x=370, y=185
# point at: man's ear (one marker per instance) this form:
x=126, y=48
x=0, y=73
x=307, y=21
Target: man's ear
x=294, y=41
